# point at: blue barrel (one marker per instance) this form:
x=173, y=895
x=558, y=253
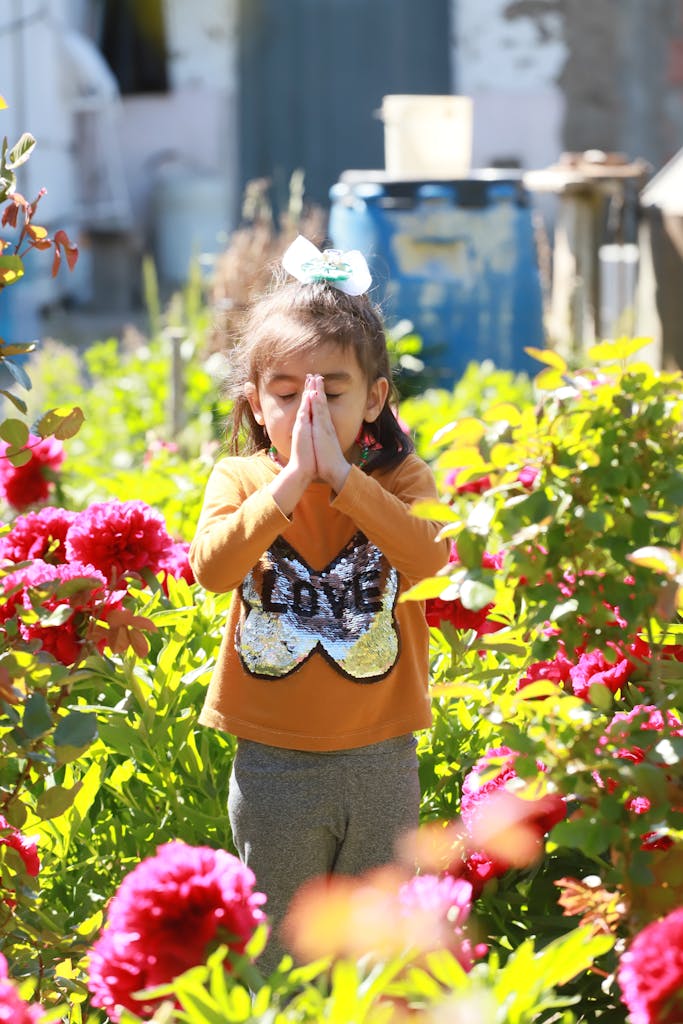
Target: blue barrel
x=457, y=259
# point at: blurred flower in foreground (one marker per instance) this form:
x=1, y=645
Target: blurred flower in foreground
x=383, y=913
x=13, y=1009
x=167, y=916
x=505, y=816
x=650, y=972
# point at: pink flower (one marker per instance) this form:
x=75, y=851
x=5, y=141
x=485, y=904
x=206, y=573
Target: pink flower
x=21, y=486
x=26, y=848
x=13, y=1009
x=438, y=908
x=623, y=726
x=37, y=535
x=118, y=537
x=165, y=917
x=650, y=972
x=79, y=591
x=593, y=669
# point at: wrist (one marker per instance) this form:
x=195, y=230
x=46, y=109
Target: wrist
x=288, y=487
x=337, y=477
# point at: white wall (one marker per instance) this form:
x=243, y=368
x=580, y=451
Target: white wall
x=510, y=66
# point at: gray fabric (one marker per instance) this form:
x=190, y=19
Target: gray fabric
x=296, y=814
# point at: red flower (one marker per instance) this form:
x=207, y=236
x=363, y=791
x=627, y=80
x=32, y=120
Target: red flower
x=13, y=1009
x=650, y=972
x=165, y=917
x=22, y=486
x=37, y=535
x=479, y=868
x=26, y=848
x=118, y=537
x=555, y=669
x=437, y=610
x=78, y=590
x=476, y=485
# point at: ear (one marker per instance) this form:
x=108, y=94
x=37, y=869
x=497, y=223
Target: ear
x=377, y=396
x=252, y=396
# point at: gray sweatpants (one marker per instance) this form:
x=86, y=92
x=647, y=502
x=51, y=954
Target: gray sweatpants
x=296, y=814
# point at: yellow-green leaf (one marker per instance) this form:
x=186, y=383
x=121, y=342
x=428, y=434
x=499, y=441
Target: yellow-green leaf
x=547, y=356
x=615, y=351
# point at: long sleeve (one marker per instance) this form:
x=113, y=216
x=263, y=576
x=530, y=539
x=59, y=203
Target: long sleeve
x=234, y=530
x=408, y=541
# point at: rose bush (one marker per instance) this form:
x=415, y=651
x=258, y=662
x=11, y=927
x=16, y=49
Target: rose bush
x=550, y=777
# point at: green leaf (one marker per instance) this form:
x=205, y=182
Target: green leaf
x=11, y=269
x=475, y=595
x=18, y=403
x=77, y=729
x=19, y=373
x=53, y=802
x=21, y=151
x=63, y=422
x=37, y=716
x=470, y=547
x=422, y=591
x=15, y=432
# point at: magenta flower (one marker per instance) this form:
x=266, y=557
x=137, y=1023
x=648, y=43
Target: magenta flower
x=26, y=848
x=13, y=1009
x=118, y=537
x=79, y=591
x=175, y=562
x=650, y=972
x=22, y=486
x=37, y=535
x=593, y=669
x=528, y=475
x=166, y=916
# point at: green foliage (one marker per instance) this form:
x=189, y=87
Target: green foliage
x=481, y=386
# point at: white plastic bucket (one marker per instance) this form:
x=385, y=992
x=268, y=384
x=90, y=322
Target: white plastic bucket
x=427, y=136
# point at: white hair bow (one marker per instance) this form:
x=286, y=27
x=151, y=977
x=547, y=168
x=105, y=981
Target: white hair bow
x=347, y=271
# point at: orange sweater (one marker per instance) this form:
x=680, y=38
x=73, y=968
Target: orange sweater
x=317, y=652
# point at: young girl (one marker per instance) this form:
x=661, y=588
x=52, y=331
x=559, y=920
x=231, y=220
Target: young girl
x=322, y=674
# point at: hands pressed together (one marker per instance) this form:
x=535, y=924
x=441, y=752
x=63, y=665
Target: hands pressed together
x=316, y=453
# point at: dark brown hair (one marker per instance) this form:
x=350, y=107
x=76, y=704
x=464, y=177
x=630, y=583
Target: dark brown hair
x=295, y=318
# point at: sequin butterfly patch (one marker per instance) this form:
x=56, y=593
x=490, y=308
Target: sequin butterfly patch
x=344, y=611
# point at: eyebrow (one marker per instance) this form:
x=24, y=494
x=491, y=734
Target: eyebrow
x=338, y=376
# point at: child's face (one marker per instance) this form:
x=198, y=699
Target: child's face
x=350, y=398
